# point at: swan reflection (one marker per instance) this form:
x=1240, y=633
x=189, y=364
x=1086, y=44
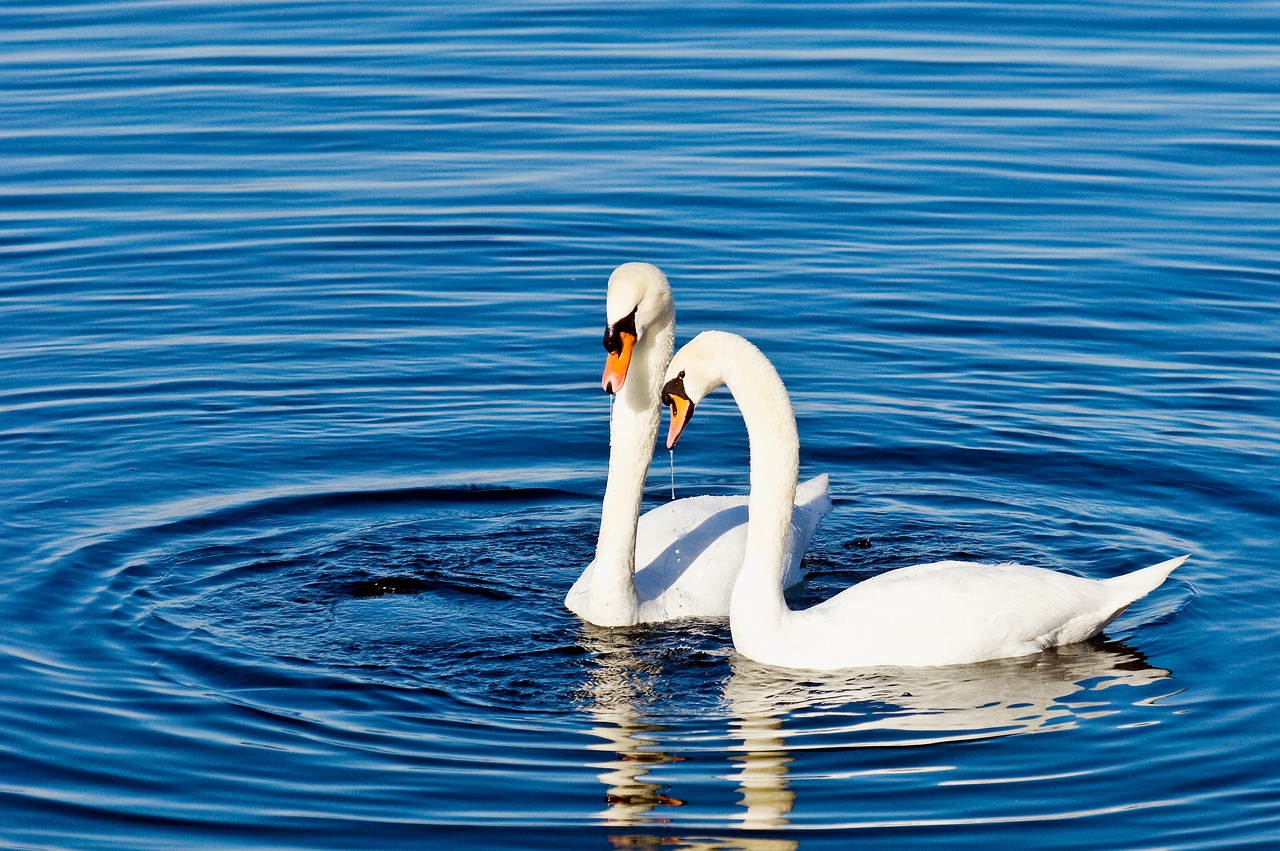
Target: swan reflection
x=906, y=707
x=775, y=716
x=762, y=779
x=619, y=682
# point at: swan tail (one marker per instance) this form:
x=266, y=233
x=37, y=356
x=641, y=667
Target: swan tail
x=815, y=494
x=1136, y=585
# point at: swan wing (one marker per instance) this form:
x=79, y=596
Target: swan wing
x=689, y=552
x=946, y=613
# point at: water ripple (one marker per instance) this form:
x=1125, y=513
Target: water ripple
x=301, y=440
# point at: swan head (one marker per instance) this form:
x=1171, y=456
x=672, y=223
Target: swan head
x=638, y=302
x=694, y=372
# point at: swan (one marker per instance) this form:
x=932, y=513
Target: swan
x=681, y=558
x=943, y=613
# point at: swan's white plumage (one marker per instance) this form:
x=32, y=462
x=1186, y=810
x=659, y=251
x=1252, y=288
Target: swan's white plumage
x=680, y=559
x=941, y=613
x=689, y=551
x=952, y=612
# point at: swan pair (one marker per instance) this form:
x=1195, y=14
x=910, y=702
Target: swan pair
x=942, y=613
x=681, y=558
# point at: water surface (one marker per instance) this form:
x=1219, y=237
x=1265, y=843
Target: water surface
x=302, y=442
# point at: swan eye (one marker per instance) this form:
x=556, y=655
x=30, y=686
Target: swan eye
x=673, y=391
x=613, y=333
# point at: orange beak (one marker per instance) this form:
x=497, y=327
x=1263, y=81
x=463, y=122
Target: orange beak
x=615, y=365
x=681, y=411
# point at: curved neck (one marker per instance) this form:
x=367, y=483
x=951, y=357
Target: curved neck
x=757, y=600
x=633, y=430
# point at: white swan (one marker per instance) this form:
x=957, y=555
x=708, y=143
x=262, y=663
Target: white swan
x=944, y=613
x=681, y=558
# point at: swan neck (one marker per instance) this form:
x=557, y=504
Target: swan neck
x=633, y=430
x=775, y=461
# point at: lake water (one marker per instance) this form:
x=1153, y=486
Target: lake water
x=302, y=440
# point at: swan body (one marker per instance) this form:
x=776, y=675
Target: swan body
x=682, y=558
x=943, y=613
x=688, y=553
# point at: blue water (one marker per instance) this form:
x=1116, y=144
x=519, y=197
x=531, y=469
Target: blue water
x=302, y=440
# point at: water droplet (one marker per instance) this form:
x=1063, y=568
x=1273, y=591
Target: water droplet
x=672, y=454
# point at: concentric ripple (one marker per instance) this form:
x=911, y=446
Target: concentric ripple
x=408, y=589
x=301, y=439
x=416, y=639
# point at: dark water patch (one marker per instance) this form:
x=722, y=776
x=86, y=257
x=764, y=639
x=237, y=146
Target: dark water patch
x=273, y=584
